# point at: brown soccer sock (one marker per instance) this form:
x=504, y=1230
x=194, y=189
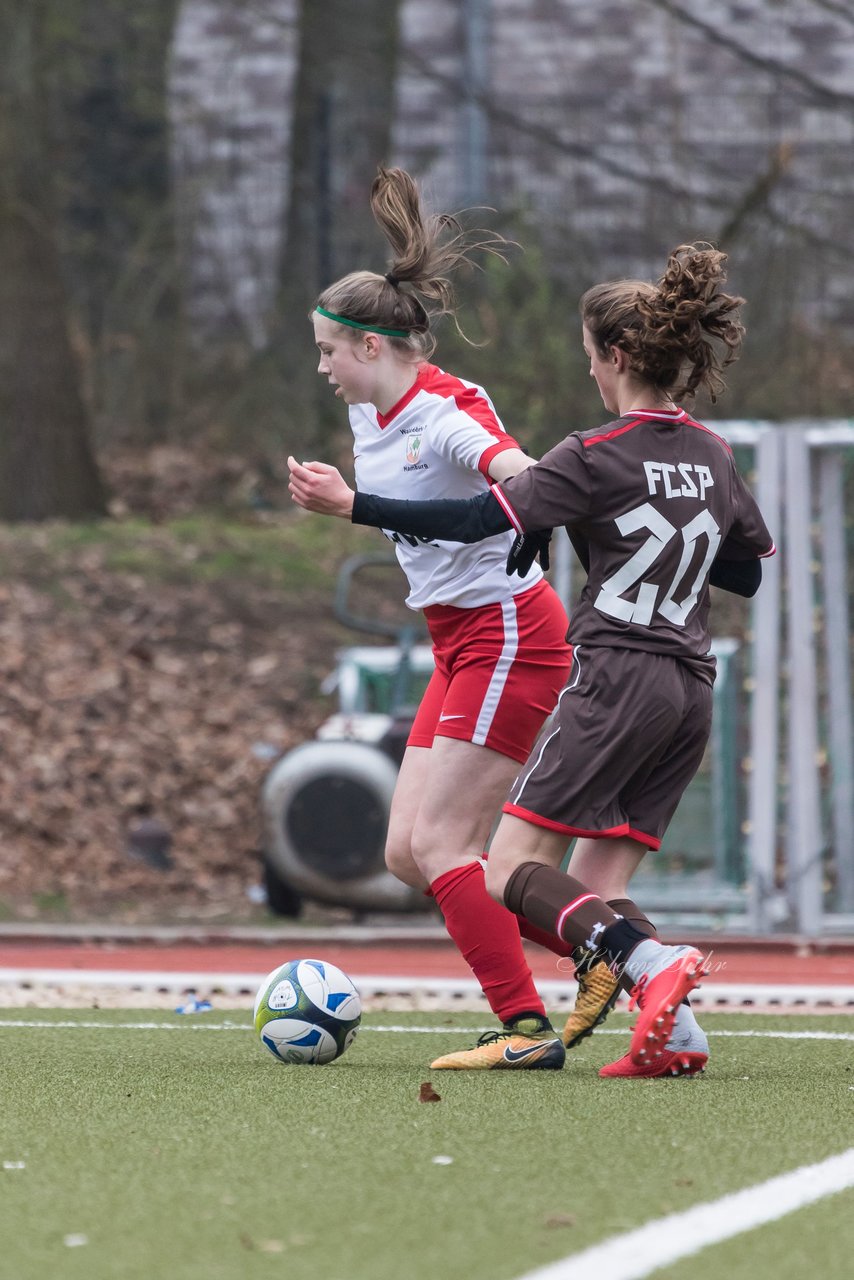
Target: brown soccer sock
x=587, y=960
x=583, y=959
x=631, y=911
x=558, y=903
x=543, y=937
x=562, y=904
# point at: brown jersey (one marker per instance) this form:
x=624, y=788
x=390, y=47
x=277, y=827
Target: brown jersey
x=648, y=501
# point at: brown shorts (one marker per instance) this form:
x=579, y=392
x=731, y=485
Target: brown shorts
x=627, y=736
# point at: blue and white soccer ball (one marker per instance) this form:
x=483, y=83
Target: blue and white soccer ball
x=307, y=1011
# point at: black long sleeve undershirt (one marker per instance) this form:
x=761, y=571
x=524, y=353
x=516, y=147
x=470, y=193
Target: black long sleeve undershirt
x=457, y=519
x=473, y=519
x=741, y=577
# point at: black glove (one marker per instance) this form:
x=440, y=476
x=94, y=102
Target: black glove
x=526, y=547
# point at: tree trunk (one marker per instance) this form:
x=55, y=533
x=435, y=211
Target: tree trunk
x=106, y=63
x=47, y=468
x=342, y=130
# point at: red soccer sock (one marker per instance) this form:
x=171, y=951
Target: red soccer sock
x=543, y=938
x=488, y=938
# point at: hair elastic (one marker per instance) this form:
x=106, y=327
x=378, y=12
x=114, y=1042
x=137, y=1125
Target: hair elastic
x=355, y=324
x=392, y=279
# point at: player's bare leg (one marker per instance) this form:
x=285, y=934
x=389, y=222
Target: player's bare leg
x=459, y=788
x=606, y=866
x=411, y=780
x=462, y=791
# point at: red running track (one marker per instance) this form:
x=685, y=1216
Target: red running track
x=737, y=962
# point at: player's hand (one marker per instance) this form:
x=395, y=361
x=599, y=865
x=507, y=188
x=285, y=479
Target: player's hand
x=316, y=486
x=525, y=549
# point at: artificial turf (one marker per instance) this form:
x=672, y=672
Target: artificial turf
x=191, y=1152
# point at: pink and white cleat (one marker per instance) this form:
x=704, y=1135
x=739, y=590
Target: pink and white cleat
x=663, y=977
x=667, y=1063
x=685, y=1054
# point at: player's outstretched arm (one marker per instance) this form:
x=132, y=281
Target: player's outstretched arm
x=315, y=486
x=453, y=519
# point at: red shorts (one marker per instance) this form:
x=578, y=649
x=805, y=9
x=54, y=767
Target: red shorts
x=499, y=670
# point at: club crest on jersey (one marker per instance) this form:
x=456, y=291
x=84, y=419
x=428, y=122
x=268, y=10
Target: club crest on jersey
x=413, y=454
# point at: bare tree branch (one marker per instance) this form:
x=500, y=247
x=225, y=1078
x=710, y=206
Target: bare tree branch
x=779, y=70
x=836, y=7
x=549, y=138
x=757, y=195
x=735, y=212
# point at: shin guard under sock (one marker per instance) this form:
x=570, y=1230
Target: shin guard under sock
x=487, y=936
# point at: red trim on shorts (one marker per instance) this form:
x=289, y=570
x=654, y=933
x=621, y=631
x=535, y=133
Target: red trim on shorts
x=536, y=819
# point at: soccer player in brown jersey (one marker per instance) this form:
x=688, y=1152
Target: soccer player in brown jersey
x=657, y=511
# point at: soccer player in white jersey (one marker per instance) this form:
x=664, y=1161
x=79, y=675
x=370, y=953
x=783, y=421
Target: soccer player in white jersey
x=498, y=638
x=657, y=511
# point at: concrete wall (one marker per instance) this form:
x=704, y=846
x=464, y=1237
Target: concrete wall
x=623, y=127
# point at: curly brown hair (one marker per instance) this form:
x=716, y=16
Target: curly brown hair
x=679, y=334
x=426, y=252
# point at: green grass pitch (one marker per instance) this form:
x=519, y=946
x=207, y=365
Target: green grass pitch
x=136, y=1145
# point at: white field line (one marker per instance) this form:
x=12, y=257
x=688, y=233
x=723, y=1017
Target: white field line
x=555, y=994
x=199, y=1022
x=639, y=1253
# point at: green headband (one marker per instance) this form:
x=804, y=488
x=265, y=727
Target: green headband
x=369, y=328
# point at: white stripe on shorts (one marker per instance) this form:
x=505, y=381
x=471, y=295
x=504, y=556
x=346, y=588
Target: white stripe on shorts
x=574, y=677
x=498, y=680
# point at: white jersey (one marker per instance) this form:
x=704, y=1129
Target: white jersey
x=437, y=442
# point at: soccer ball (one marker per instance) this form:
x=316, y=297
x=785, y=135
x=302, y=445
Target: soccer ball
x=307, y=1011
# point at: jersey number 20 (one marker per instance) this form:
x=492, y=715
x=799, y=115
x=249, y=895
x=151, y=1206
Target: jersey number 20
x=612, y=595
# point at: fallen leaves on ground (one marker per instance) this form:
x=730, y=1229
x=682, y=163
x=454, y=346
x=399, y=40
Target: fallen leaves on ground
x=123, y=699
